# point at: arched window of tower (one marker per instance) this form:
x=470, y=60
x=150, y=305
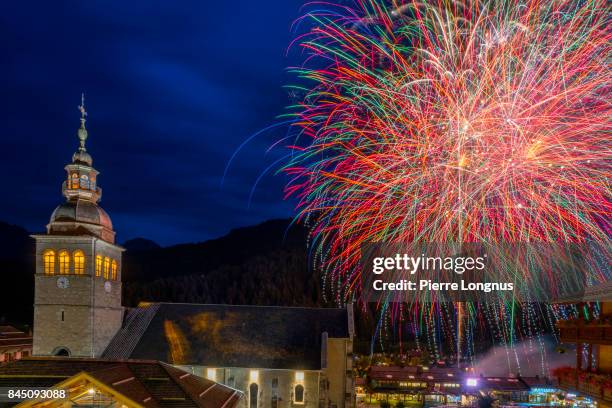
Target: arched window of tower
x=49, y=262
x=64, y=262
x=85, y=181
x=75, y=181
x=106, y=267
x=98, y=266
x=114, y=270
x=79, y=262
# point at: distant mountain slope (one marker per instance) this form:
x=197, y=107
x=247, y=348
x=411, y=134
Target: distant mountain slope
x=232, y=249
x=140, y=244
x=263, y=264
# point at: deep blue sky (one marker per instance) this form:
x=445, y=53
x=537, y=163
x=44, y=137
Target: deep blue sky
x=172, y=89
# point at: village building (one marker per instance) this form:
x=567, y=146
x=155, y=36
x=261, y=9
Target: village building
x=591, y=334
x=14, y=344
x=64, y=382
x=448, y=386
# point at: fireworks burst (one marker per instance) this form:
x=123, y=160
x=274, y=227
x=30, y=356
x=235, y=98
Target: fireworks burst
x=451, y=122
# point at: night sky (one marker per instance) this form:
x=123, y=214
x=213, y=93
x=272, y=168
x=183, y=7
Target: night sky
x=172, y=89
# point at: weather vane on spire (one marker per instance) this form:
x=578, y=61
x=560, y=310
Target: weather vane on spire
x=82, y=106
x=82, y=132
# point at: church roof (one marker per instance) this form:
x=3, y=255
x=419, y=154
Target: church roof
x=228, y=335
x=148, y=383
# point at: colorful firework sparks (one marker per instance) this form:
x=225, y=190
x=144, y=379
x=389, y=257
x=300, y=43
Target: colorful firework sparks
x=443, y=121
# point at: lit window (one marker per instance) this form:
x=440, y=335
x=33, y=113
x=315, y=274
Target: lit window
x=49, y=262
x=98, y=265
x=75, y=181
x=298, y=394
x=107, y=263
x=79, y=262
x=84, y=181
x=64, y=263
x=211, y=374
x=254, y=376
x=299, y=376
x=114, y=270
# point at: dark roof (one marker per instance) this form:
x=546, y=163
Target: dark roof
x=228, y=335
x=149, y=383
x=502, y=384
x=444, y=375
x=413, y=373
x=11, y=338
x=7, y=330
x=394, y=373
x=537, y=382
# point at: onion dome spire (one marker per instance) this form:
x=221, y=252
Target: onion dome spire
x=81, y=214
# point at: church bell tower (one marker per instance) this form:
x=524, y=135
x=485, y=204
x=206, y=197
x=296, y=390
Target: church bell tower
x=77, y=302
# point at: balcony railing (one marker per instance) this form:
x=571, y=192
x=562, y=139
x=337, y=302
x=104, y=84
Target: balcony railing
x=598, y=391
x=581, y=331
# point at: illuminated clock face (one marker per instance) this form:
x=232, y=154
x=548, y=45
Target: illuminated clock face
x=63, y=282
x=107, y=286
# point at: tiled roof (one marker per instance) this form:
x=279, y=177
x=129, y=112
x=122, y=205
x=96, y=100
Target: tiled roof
x=393, y=373
x=449, y=375
x=134, y=325
x=149, y=383
x=232, y=336
x=537, y=382
x=7, y=330
x=502, y=384
x=10, y=337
